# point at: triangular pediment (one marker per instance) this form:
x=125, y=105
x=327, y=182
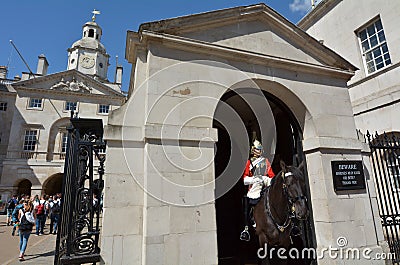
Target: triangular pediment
x=71, y=81
x=257, y=29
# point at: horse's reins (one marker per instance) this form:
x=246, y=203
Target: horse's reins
x=291, y=210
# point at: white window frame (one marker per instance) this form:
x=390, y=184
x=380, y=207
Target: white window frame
x=30, y=145
x=3, y=105
x=394, y=171
x=64, y=135
x=103, y=113
x=66, y=103
x=35, y=107
x=377, y=47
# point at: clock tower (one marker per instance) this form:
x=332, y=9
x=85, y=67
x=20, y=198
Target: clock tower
x=88, y=55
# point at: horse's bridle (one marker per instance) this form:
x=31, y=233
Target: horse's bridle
x=291, y=208
x=292, y=200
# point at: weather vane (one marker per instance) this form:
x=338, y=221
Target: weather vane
x=95, y=12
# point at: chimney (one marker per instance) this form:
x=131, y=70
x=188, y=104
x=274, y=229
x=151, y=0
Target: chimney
x=118, y=74
x=42, y=65
x=3, y=72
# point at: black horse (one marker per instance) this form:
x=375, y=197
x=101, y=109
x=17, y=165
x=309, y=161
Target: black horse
x=282, y=202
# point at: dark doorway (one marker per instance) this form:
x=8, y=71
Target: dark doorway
x=229, y=214
x=53, y=184
x=24, y=187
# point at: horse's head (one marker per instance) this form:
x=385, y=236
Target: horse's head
x=294, y=188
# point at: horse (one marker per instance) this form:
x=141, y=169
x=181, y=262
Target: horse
x=281, y=202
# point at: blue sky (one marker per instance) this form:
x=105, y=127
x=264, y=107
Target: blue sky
x=51, y=26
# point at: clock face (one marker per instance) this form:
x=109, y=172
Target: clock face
x=87, y=61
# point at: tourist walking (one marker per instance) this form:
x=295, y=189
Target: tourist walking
x=55, y=207
x=15, y=216
x=26, y=223
x=10, y=208
x=40, y=212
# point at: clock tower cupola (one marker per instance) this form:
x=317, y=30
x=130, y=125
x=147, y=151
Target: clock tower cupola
x=88, y=55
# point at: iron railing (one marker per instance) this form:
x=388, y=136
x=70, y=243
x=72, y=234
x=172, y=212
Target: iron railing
x=385, y=159
x=79, y=225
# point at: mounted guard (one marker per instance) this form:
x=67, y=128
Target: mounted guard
x=257, y=175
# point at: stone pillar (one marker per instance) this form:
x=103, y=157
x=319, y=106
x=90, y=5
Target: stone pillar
x=179, y=208
x=342, y=220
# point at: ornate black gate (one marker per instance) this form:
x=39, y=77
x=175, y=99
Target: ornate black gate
x=78, y=230
x=385, y=158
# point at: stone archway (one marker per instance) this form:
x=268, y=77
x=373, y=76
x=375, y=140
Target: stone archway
x=53, y=184
x=55, y=139
x=288, y=148
x=24, y=187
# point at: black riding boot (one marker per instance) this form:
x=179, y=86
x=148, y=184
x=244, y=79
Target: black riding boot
x=245, y=235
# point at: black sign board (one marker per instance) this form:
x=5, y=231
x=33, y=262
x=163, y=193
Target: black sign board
x=348, y=175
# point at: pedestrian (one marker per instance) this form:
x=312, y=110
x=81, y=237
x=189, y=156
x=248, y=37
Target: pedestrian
x=26, y=223
x=11, y=203
x=40, y=213
x=54, y=214
x=15, y=216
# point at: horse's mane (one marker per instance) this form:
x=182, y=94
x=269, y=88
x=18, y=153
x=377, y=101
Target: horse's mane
x=296, y=172
x=276, y=176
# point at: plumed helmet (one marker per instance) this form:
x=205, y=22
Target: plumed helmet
x=257, y=145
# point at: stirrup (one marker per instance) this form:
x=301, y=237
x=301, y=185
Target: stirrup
x=245, y=235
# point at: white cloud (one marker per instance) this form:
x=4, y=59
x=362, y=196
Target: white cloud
x=302, y=6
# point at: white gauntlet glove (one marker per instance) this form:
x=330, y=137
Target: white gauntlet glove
x=267, y=180
x=259, y=180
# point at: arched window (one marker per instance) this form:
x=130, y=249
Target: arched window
x=91, y=33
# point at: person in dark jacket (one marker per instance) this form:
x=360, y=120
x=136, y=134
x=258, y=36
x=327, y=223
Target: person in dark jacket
x=15, y=216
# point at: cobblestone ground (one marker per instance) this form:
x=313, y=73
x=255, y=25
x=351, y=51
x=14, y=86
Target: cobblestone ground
x=40, y=249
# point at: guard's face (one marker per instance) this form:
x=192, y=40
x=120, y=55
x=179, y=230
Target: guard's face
x=257, y=152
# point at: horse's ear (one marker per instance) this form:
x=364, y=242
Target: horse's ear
x=283, y=165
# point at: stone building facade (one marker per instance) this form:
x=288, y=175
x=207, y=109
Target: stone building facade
x=171, y=174
x=39, y=106
x=369, y=39
x=367, y=35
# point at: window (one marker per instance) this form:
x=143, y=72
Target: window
x=3, y=106
x=70, y=106
x=104, y=109
x=91, y=33
x=64, y=139
x=394, y=169
x=30, y=140
x=374, y=48
x=35, y=103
